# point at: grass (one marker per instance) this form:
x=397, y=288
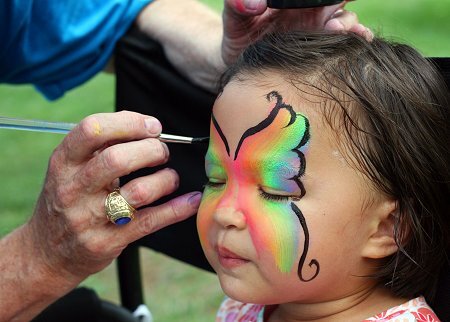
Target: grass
x=24, y=155
x=422, y=24
x=174, y=291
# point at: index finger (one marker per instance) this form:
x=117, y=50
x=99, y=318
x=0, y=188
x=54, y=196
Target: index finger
x=98, y=130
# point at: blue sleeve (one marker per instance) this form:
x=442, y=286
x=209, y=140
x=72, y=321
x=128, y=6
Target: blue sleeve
x=58, y=45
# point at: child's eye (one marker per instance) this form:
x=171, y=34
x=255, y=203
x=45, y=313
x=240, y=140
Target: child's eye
x=272, y=197
x=214, y=184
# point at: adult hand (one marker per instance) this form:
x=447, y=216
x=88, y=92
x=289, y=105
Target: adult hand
x=69, y=236
x=247, y=20
x=69, y=226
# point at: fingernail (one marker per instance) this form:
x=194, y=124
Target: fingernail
x=252, y=4
x=166, y=150
x=176, y=181
x=369, y=34
x=337, y=13
x=153, y=126
x=194, y=199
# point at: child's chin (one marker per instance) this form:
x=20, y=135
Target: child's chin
x=233, y=289
x=244, y=294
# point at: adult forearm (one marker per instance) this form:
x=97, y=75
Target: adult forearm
x=28, y=286
x=191, y=35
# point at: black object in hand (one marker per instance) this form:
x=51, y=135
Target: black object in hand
x=288, y=4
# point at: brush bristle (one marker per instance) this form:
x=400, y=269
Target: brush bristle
x=201, y=140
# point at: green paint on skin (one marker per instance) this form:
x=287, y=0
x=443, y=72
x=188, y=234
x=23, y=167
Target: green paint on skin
x=270, y=154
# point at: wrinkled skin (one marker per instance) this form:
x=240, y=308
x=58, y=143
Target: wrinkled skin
x=69, y=237
x=70, y=219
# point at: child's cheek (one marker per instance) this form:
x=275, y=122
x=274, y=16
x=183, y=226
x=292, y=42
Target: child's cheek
x=205, y=216
x=274, y=228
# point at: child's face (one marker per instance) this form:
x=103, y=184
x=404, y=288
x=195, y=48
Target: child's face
x=283, y=217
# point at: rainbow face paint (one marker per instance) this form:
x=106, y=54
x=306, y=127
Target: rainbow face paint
x=260, y=178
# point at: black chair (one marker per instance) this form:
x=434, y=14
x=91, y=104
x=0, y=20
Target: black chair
x=147, y=83
x=83, y=304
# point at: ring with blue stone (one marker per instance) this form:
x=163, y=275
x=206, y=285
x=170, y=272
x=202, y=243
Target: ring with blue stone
x=118, y=210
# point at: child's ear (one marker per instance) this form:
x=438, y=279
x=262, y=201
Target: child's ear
x=381, y=241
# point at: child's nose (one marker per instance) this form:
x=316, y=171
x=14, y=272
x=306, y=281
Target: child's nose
x=229, y=218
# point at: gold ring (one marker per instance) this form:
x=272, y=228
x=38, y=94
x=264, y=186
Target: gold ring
x=118, y=210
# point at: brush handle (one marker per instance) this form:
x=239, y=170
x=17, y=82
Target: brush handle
x=35, y=125
x=64, y=128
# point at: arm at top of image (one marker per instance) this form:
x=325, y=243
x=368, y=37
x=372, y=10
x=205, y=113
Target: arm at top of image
x=200, y=43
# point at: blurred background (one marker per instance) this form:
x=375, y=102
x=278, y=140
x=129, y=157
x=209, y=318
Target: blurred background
x=173, y=291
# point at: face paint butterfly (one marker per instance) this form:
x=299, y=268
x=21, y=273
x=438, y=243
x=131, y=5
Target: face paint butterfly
x=269, y=157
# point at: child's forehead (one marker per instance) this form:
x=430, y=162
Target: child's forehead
x=248, y=98
x=326, y=107
x=245, y=101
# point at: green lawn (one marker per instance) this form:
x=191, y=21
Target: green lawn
x=174, y=291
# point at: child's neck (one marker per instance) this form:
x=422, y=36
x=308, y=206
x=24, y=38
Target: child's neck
x=355, y=307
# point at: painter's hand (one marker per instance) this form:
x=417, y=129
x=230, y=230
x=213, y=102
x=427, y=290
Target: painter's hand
x=69, y=226
x=247, y=21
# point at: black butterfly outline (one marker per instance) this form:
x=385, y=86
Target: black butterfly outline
x=296, y=178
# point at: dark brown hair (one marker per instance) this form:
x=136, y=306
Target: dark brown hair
x=394, y=113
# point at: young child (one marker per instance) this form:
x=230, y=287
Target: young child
x=328, y=183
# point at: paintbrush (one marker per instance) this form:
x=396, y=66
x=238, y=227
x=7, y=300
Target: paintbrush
x=64, y=128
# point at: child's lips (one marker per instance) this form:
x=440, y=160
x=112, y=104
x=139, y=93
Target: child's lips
x=228, y=259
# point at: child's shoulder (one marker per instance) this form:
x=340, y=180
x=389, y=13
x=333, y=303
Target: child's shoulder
x=231, y=310
x=415, y=310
